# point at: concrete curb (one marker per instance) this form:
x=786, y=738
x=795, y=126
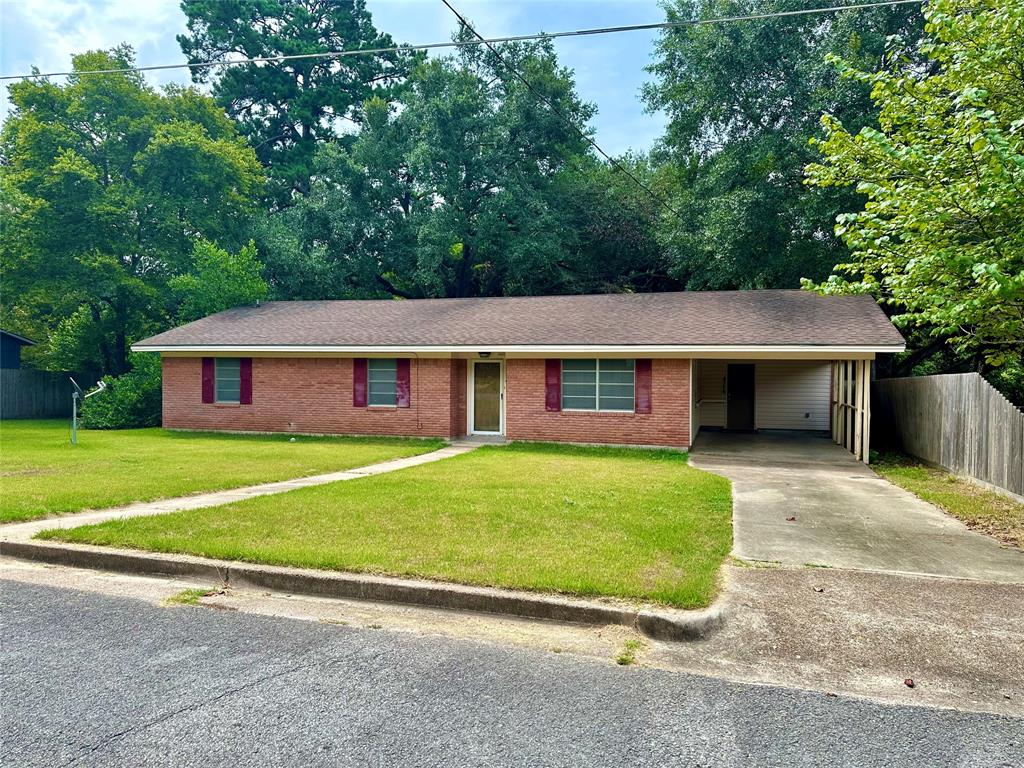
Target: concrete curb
x=659, y=624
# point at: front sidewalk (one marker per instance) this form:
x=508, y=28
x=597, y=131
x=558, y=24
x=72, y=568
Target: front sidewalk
x=25, y=531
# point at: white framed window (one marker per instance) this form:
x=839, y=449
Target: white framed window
x=382, y=381
x=598, y=385
x=227, y=379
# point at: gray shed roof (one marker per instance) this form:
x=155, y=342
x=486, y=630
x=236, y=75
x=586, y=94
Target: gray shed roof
x=25, y=342
x=715, y=318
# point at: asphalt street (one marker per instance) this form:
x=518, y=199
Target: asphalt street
x=89, y=679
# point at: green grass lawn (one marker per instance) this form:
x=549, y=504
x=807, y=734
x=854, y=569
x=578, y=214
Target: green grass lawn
x=978, y=508
x=584, y=521
x=42, y=474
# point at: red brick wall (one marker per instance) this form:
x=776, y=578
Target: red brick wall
x=668, y=423
x=314, y=395
x=458, y=398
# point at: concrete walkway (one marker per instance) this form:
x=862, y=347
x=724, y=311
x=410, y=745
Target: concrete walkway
x=843, y=514
x=25, y=531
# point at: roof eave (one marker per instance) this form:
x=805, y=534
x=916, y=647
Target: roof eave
x=546, y=349
x=26, y=342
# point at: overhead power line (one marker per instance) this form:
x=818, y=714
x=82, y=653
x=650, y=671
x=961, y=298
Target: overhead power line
x=462, y=43
x=558, y=113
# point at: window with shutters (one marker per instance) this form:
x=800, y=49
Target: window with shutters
x=598, y=385
x=382, y=381
x=228, y=379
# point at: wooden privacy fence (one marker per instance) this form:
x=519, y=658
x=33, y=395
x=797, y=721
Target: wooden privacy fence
x=31, y=394
x=957, y=421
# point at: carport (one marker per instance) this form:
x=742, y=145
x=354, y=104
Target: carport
x=809, y=391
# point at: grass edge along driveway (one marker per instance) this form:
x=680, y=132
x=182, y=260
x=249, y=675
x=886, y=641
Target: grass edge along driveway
x=978, y=508
x=42, y=474
x=595, y=522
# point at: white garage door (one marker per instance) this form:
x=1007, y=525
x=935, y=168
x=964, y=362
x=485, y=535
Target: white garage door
x=792, y=394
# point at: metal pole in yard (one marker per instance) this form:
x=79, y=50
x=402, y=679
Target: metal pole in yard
x=75, y=393
x=100, y=386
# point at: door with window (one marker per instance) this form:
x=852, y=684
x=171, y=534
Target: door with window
x=487, y=394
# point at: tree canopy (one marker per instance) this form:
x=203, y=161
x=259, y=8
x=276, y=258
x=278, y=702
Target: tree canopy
x=941, y=236
x=742, y=101
x=454, y=191
x=106, y=184
x=288, y=109
x=218, y=280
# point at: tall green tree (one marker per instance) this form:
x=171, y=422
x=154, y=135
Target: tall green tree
x=742, y=100
x=218, y=280
x=614, y=222
x=106, y=184
x=941, y=236
x=454, y=192
x=287, y=109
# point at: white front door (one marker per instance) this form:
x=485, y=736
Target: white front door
x=487, y=397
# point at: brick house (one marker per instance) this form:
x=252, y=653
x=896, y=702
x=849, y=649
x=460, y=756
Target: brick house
x=641, y=369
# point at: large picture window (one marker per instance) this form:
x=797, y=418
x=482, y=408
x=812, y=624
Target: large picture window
x=598, y=385
x=382, y=381
x=228, y=377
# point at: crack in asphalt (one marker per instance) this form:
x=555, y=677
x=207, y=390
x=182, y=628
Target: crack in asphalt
x=88, y=750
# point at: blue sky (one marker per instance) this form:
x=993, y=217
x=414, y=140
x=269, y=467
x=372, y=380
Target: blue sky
x=609, y=68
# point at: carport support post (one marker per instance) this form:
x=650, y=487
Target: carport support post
x=864, y=410
x=832, y=398
x=851, y=406
x=867, y=416
x=841, y=404
x=838, y=426
x=848, y=401
x=858, y=399
x=839, y=394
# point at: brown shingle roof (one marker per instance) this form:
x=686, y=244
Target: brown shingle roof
x=720, y=318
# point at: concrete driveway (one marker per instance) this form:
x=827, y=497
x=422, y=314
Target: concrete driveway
x=845, y=516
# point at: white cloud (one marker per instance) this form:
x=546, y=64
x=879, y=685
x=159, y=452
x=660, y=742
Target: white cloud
x=47, y=33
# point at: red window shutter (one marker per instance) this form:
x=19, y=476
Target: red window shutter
x=552, y=385
x=402, y=382
x=245, y=381
x=359, y=385
x=207, y=379
x=642, y=392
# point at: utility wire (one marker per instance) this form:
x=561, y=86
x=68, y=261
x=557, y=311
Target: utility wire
x=463, y=43
x=558, y=113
